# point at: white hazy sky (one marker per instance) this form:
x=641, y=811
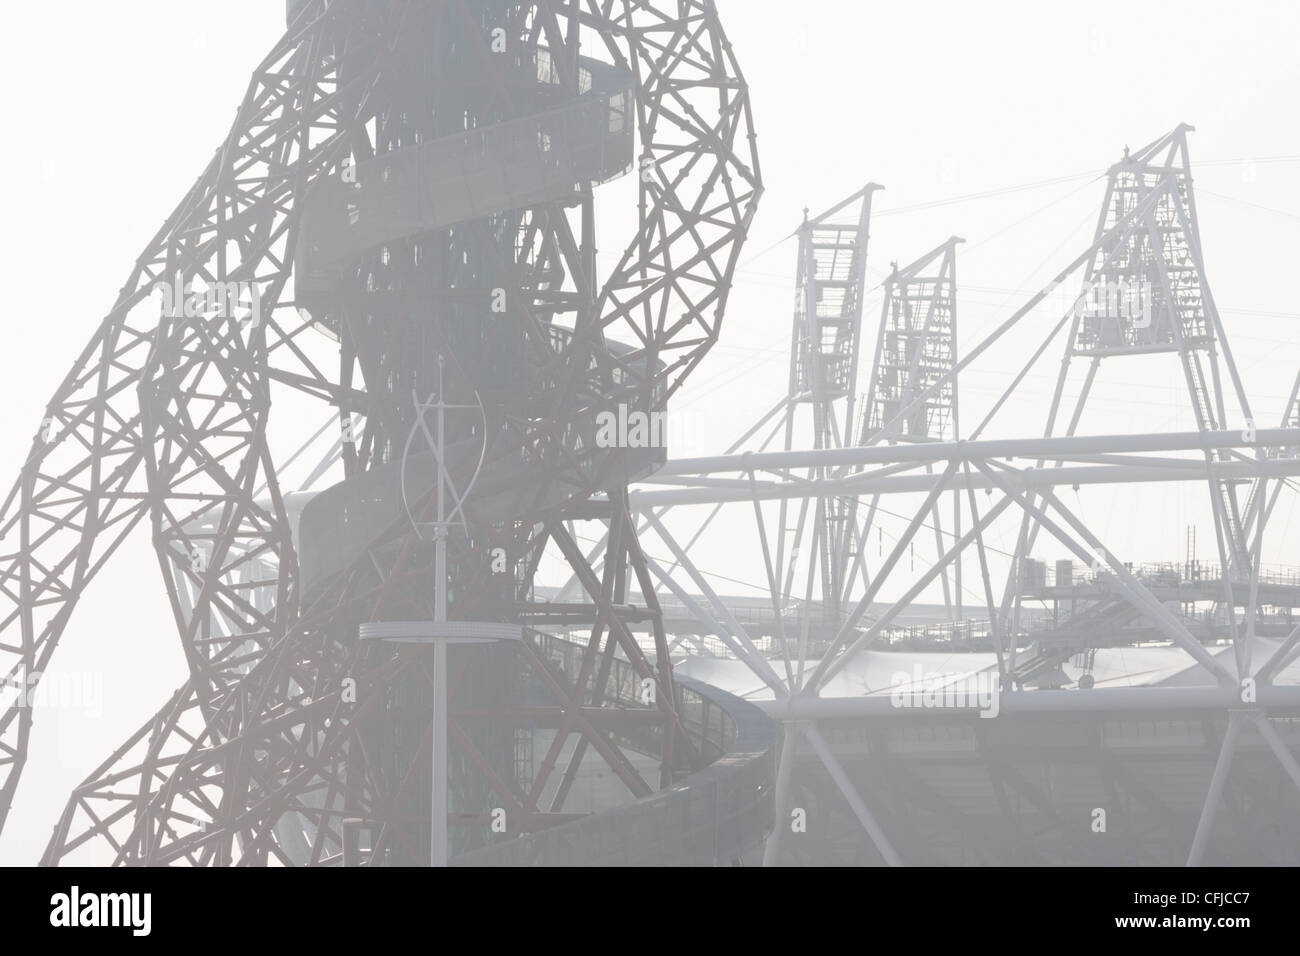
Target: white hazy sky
x=115, y=108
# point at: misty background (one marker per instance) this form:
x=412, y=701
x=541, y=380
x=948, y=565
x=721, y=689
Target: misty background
x=995, y=122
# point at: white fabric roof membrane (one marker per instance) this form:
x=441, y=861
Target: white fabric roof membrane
x=876, y=672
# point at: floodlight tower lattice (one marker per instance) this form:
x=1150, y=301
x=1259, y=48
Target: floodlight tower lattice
x=912, y=398
x=912, y=395
x=826, y=337
x=1145, y=291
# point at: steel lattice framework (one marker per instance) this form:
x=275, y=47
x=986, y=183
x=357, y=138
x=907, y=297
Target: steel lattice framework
x=830, y=284
x=916, y=347
x=1148, y=292
x=367, y=174
x=404, y=212
x=1143, y=289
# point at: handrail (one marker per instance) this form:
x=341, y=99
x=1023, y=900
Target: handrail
x=712, y=817
x=469, y=174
